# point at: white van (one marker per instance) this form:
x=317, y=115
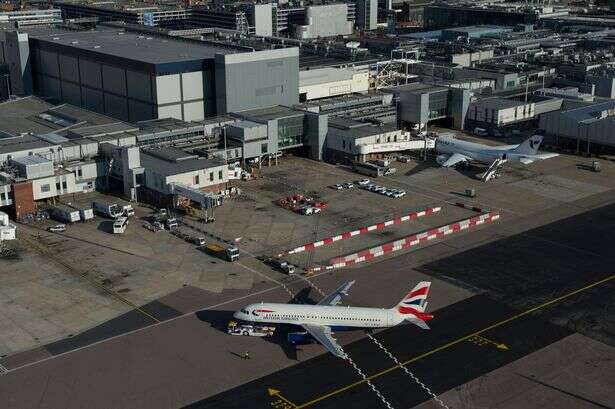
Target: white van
x=480, y=132
x=120, y=224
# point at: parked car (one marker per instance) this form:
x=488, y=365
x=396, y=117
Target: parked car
x=404, y=159
x=58, y=228
x=364, y=182
x=348, y=185
x=337, y=186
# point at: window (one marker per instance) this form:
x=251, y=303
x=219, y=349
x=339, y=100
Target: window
x=45, y=188
x=343, y=144
x=196, y=179
x=211, y=176
x=219, y=175
x=79, y=172
x=58, y=186
x=264, y=148
x=64, y=186
x=2, y=197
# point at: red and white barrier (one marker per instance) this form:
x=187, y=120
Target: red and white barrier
x=407, y=242
x=378, y=226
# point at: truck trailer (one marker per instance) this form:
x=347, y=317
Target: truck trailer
x=230, y=253
x=65, y=214
x=110, y=210
x=85, y=212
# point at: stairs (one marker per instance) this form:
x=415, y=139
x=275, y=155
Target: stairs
x=493, y=169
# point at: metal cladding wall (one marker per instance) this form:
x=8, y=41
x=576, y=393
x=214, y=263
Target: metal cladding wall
x=257, y=79
x=114, y=90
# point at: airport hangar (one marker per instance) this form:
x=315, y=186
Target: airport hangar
x=135, y=77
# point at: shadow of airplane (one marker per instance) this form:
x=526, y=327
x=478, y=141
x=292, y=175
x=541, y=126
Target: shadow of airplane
x=219, y=320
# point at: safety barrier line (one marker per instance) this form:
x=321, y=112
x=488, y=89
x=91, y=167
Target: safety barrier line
x=362, y=230
x=406, y=242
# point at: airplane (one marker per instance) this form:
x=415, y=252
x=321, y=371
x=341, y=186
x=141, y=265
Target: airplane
x=321, y=320
x=452, y=151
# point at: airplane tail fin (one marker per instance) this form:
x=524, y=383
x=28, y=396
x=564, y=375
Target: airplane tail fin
x=412, y=306
x=529, y=146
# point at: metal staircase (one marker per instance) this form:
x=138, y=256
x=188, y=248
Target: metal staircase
x=493, y=170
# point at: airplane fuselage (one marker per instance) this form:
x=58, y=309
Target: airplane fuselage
x=331, y=316
x=478, y=152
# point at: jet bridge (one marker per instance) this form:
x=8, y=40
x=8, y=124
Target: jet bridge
x=207, y=200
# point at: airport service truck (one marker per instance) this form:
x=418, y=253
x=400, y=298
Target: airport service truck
x=65, y=214
x=230, y=253
x=110, y=210
x=253, y=330
x=85, y=212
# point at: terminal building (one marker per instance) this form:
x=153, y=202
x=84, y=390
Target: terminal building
x=137, y=77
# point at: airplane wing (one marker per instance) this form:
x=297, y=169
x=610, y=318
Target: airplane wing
x=336, y=296
x=538, y=156
x=454, y=159
x=323, y=335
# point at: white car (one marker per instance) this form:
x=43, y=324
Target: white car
x=337, y=186
x=348, y=185
x=58, y=228
x=316, y=210
x=364, y=182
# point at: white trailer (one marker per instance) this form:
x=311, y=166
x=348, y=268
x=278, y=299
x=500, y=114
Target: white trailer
x=65, y=214
x=86, y=212
x=7, y=229
x=111, y=210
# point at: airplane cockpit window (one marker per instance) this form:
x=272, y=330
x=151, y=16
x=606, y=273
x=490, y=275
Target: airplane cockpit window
x=245, y=311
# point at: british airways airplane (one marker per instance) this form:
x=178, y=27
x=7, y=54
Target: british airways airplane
x=321, y=320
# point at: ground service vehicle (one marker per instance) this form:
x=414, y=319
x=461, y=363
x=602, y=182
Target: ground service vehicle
x=110, y=210
x=282, y=265
x=63, y=213
x=230, y=253
x=128, y=210
x=120, y=224
x=58, y=228
x=235, y=328
x=368, y=169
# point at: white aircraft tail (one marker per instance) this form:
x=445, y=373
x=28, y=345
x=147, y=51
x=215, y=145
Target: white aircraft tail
x=412, y=306
x=529, y=146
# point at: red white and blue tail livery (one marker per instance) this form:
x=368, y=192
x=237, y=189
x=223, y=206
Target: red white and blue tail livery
x=322, y=320
x=413, y=305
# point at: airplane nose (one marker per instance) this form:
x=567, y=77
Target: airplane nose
x=237, y=315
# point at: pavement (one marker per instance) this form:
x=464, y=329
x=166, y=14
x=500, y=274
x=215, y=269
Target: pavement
x=550, y=242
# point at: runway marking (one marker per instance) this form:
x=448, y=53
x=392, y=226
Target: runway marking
x=480, y=341
x=280, y=402
x=455, y=342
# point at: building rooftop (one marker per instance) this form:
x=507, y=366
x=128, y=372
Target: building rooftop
x=417, y=87
x=31, y=160
x=33, y=115
x=323, y=75
x=169, y=168
x=108, y=43
x=270, y=113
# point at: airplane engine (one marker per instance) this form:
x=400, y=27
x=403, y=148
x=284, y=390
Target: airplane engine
x=300, y=338
x=440, y=159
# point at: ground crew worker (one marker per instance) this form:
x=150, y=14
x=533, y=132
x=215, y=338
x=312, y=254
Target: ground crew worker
x=246, y=355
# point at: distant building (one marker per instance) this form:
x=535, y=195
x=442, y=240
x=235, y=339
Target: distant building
x=326, y=20
x=329, y=82
x=366, y=14
x=135, y=77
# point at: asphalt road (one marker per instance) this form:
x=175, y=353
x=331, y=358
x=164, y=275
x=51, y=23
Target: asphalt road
x=518, y=273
